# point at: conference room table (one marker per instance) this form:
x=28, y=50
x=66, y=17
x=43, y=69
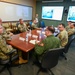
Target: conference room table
x=18, y=41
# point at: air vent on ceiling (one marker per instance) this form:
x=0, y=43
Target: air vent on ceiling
x=44, y=1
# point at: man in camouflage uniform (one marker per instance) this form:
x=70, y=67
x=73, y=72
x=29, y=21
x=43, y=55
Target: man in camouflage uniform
x=49, y=42
x=63, y=35
x=34, y=24
x=22, y=26
x=68, y=26
x=71, y=30
x=4, y=48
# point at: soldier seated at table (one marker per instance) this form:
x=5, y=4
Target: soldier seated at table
x=22, y=26
x=5, y=48
x=71, y=30
x=34, y=25
x=63, y=35
x=49, y=42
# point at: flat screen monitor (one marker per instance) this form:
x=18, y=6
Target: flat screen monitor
x=71, y=14
x=52, y=12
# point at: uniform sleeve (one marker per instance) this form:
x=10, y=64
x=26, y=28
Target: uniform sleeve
x=70, y=32
x=60, y=36
x=39, y=49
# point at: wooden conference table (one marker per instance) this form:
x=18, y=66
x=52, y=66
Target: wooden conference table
x=23, y=45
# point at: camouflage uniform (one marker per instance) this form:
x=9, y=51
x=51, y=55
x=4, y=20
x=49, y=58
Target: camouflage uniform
x=22, y=27
x=5, y=34
x=67, y=28
x=4, y=48
x=49, y=43
x=71, y=31
x=63, y=36
x=34, y=26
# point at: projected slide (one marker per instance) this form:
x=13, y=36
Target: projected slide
x=71, y=14
x=52, y=12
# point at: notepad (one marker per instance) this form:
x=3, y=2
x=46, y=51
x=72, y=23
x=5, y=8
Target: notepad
x=33, y=41
x=21, y=38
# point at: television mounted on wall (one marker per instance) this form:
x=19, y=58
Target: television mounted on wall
x=52, y=12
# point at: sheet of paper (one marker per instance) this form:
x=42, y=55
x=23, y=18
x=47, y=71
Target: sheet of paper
x=21, y=38
x=33, y=41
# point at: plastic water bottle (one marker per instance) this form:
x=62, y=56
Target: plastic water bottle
x=39, y=36
x=27, y=37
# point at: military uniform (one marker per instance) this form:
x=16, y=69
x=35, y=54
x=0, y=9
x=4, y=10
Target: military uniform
x=22, y=27
x=4, y=48
x=71, y=31
x=34, y=26
x=5, y=34
x=49, y=42
x=63, y=36
x=67, y=28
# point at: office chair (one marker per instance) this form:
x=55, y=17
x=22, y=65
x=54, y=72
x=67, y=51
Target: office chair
x=66, y=48
x=42, y=24
x=17, y=31
x=49, y=60
x=30, y=23
x=8, y=62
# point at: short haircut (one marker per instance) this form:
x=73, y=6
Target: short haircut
x=50, y=28
x=62, y=24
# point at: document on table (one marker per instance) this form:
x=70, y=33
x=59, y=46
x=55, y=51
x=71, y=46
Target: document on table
x=21, y=38
x=33, y=41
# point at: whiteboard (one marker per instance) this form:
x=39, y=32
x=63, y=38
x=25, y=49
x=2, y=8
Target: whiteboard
x=13, y=12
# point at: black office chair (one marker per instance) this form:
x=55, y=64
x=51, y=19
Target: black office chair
x=49, y=60
x=8, y=62
x=66, y=48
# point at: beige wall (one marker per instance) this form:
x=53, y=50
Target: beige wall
x=24, y=2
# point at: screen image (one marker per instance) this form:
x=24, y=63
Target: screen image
x=71, y=14
x=52, y=12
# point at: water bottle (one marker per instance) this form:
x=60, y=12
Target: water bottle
x=39, y=36
x=27, y=37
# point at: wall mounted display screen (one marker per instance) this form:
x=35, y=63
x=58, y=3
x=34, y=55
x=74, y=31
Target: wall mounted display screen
x=13, y=12
x=52, y=12
x=71, y=14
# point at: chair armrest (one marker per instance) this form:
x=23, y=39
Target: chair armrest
x=10, y=53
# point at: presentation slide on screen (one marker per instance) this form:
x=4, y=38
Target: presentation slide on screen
x=52, y=12
x=71, y=14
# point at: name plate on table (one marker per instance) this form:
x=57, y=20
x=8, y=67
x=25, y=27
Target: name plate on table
x=21, y=38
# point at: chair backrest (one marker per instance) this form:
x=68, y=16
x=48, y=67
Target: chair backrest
x=42, y=24
x=30, y=22
x=71, y=38
x=50, y=58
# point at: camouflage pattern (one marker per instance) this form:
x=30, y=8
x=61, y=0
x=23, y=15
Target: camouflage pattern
x=22, y=27
x=4, y=48
x=67, y=28
x=71, y=31
x=34, y=26
x=5, y=34
x=49, y=42
x=63, y=36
